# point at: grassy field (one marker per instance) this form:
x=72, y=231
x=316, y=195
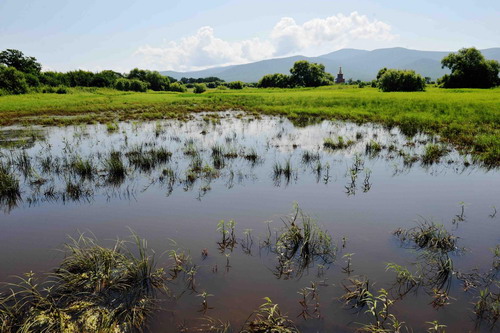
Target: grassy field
x=468, y=118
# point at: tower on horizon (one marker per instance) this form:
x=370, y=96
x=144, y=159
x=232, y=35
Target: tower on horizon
x=340, y=77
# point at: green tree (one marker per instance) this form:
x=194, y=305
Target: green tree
x=105, y=78
x=12, y=81
x=469, y=69
x=16, y=59
x=277, y=80
x=155, y=80
x=308, y=74
x=79, y=78
x=401, y=80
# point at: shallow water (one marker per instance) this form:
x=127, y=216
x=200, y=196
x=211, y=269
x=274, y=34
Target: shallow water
x=355, y=194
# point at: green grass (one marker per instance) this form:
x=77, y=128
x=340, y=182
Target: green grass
x=468, y=118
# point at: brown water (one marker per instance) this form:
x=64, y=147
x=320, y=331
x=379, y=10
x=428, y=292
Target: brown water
x=387, y=194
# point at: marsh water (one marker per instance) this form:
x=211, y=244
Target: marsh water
x=232, y=166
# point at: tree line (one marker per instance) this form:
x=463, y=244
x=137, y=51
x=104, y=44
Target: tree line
x=469, y=69
x=20, y=74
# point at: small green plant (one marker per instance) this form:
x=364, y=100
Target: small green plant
x=268, y=318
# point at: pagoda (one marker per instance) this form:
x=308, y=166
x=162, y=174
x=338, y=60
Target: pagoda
x=340, y=77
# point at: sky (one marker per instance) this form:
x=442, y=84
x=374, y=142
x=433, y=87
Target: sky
x=188, y=35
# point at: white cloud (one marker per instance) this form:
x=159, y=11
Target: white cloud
x=204, y=49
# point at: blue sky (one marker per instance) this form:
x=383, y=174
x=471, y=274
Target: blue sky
x=186, y=35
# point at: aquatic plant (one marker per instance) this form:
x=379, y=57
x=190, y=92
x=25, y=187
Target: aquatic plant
x=356, y=293
x=83, y=167
x=95, y=289
x=308, y=156
x=372, y=148
x=487, y=307
x=301, y=242
x=433, y=153
x=379, y=307
x=9, y=186
x=145, y=160
x=340, y=143
x=268, y=318
x=115, y=168
x=428, y=235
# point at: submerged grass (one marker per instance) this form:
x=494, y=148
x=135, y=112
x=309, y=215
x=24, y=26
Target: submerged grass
x=95, y=289
x=468, y=118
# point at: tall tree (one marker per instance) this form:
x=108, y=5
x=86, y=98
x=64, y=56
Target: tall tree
x=308, y=74
x=469, y=69
x=16, y=59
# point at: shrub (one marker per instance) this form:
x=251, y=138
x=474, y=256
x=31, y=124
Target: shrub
x=137, y=85
x=12, y=80
x=176, y=86
x=199, y=88
x=235, y=85
x=401, y=80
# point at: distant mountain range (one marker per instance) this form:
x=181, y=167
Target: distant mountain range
x=356, y=64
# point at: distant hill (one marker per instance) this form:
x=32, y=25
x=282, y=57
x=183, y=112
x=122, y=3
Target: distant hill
x=356, y=64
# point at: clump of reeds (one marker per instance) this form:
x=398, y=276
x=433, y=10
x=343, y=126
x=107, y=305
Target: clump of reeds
x=95, y=289
x=145, y=160
x=308, y=157
x=356, y=293
x=83, y=167
x=372, y=148
x=76, y=191
x=302, y=242
x=283, y=170
x=428, y=235
x=487, y=307
x=379, y=307
x=268, y=318
x=433, y=153
x=340, y=143
x=9, y=186
x=115, y=168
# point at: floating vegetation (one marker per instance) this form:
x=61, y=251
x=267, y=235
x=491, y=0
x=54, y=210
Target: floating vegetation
x=95, y=289
x=10, y=192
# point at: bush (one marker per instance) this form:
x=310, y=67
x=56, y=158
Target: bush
x=176, y=86
x=236, y=85
x=131, y=85
x=199, y=88
x=401, y=80
x=12, y=80
x=62, y=90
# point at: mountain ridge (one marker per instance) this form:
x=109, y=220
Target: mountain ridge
x=355, y=63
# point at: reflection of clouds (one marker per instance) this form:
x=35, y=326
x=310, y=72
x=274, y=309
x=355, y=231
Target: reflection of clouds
x=273, y=139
